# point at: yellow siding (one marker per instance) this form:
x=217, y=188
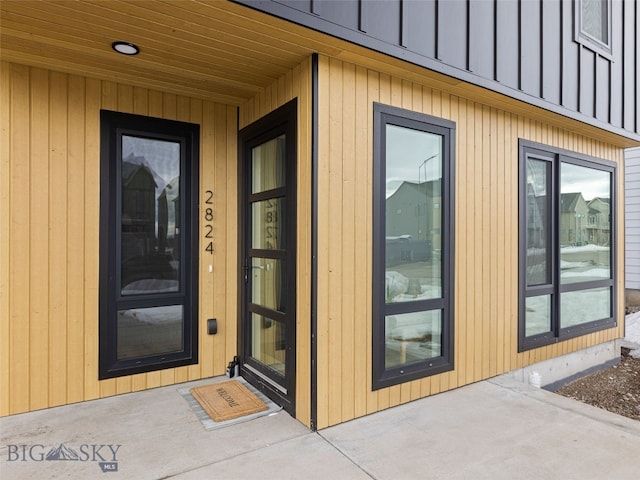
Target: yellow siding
x=486, y=241
x=5, y=238
x=295, y=84
x=49, y=235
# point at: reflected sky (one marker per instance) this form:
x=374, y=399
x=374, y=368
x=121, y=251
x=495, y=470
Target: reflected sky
x=162, y=157
x=412, y=155
x=590, y=182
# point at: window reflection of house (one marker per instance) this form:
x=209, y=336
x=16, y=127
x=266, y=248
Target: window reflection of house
x=537, y=235
x=138, y=210
x=573, y=220
x=169, y=218
x=145, y=256
x=413, y=222
x=598, y=224
x=536, y=221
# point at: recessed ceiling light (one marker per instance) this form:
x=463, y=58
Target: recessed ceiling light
x=125, y=48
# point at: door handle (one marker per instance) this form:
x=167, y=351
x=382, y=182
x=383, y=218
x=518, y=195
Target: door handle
x=246, y=269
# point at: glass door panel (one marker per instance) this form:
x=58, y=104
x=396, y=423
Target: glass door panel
x=268, y=293
x=267, y=228
x=267, y=283
x=265, y=259
x=268, y=342
x=267, y=165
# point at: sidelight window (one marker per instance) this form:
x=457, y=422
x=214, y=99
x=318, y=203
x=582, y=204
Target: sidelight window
x=148, y=286
x=413, y=238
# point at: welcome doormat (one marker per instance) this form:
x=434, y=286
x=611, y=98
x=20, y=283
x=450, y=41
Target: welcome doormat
x=208, y=423
x=227, y=400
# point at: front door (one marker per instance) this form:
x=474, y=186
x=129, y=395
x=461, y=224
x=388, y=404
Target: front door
x=268, y=271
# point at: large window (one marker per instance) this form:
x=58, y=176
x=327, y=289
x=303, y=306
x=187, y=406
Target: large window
x=412, y=246
x=148, y=254
x=593, y=25
x=567, y=245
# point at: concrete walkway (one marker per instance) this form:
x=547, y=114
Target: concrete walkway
x=496, y=429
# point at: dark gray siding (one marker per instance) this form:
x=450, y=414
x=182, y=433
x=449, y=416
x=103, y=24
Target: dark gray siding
x=508, y=47
x=630, y=76
x=482, y=39
x=416, y=20
x=552, y=55
x=452, y=42
x=570, y=51
x=522, y=48
x=530, y=47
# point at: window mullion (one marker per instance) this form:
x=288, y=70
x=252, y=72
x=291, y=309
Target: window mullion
x=556, y=200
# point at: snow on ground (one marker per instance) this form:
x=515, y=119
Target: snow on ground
x=593, y=272
x=584, y=248
x=581, y=306
x=564, y=265
x=632, y=328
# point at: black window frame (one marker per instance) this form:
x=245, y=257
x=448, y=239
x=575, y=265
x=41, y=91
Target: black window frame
x=382, y=377
x=556, y=157
x=584, y=38
x=113, y=125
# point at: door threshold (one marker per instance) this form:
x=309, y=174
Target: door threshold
x=265, y=379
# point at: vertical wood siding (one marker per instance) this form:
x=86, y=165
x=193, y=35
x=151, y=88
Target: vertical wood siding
x=295, y=84
x=49, y=235
x=49, y=211
x=486, y=239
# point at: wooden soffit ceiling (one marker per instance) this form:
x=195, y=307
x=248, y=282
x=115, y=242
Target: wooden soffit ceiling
x=211, y=49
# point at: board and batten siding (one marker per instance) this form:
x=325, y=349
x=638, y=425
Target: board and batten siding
x=632, y=218
x=49, y=235
x=295, y=84
x=525, y=49
x=486, y=237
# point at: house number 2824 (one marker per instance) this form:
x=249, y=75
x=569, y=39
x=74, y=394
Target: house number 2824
x=208, y=221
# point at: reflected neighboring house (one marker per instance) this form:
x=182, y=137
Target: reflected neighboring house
x=413, y=221
x=537, y=221
x=169, y=217
x=140, y=255
x=598, y=221
x=138, y=209
x=573, y=220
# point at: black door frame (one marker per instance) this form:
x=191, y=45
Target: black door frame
x=282, y=120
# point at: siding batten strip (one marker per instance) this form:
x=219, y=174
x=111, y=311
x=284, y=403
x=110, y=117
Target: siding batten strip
x=5, y=237
x=75, y=238
x=314, y=239
x=39, y=244
x=18, y=288
x=58, y=259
